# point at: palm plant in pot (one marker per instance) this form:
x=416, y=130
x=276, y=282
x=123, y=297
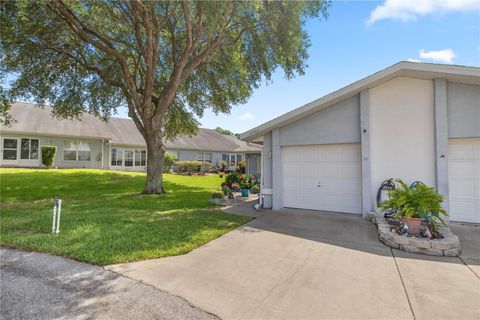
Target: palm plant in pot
x=413, y=205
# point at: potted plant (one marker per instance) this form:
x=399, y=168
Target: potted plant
x=413, y=205
x=216, y=197
x=244, y=184
x=226, y=191
x=255, y=189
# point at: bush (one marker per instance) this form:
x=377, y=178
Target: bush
x=231, y=179
x=169, y=160
x=223, y=165
x=48, y=155
x=190, y=167
x=241, y=167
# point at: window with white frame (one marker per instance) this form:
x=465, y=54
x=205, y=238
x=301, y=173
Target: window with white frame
x=128, y=158
x=207, y=156
x=117, y=157
x=29, y=149
x=140, y=158
x=76, y=150
x=10, y=149
x=225, y=157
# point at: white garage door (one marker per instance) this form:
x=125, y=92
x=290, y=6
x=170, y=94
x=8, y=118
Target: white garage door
x=323, y=177
x=464, y=179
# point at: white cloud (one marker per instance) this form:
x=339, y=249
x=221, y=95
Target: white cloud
x=247, y=116
x=413, y=60
x=407, y=10
x=445, y=56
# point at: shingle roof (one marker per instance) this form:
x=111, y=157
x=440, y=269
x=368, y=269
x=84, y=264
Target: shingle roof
x=31, y=119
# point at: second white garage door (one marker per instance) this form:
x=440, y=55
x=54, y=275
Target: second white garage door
x=323, y=177
x=464, y=179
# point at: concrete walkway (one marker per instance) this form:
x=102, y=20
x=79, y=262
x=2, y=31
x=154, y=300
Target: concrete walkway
x=296, y=264
x=42, y=286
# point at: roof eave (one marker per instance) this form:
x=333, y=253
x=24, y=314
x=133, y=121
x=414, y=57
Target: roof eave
x=470, y=75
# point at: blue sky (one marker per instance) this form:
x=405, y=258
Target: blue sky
x=346, y=48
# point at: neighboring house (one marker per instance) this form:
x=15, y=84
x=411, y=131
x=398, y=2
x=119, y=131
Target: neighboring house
x=412, y=121
x=116, y=144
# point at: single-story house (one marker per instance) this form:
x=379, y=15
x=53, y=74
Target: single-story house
x=414, y=121
x=116, y=144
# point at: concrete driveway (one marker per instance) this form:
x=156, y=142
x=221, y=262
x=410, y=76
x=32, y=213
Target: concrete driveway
x=42, y=286
x=301, y=265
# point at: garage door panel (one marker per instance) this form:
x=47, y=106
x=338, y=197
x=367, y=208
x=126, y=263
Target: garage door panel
x=464, y=180
x=330, y=177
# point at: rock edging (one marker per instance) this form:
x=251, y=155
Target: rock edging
x=449, y=246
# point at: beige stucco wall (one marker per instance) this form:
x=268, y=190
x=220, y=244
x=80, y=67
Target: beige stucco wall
x=402, y=132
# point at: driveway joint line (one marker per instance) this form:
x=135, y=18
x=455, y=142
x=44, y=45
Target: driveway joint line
x=403, y=284
x=466, y=264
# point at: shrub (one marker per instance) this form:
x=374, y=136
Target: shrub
x=169, y=160
x=48, y=155
x=231, y=179
x=223, y=165
x=241, y=167
x=191, y=167
x=417, y=202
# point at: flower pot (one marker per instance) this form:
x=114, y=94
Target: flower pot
x=245, y=192
x=225, y=198
x=216, y=200
x=413, y=224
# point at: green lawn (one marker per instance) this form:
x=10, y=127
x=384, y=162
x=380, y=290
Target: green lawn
x=104, y=218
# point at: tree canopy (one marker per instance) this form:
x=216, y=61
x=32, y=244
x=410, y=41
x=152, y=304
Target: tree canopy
x=224, y=131
x=166, y=61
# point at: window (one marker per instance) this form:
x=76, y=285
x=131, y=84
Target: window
x=140, y=158
x=128, y=158
x=29, y=149
x=232, y=160
x=208, y=157
x=10, y=149
x=114, y=157
x=76, y=150
x=239, y=158
x=83, y=151
x=225, y=157
x=119, y=157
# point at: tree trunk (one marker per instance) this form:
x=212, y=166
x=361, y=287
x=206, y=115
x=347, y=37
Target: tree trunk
x=155, y=152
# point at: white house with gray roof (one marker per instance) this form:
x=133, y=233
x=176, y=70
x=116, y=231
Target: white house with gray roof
x=116, y=144
x=413, y=121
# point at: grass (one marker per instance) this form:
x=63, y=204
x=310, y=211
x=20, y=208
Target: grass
x=105, y=219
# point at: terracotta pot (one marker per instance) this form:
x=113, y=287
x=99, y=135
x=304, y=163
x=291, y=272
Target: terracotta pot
x=413, y=224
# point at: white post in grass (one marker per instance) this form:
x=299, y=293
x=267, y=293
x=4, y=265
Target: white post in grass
x=59, y=204
x=54, y=214
x=57, y=208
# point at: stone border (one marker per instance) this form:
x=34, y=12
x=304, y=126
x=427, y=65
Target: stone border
x=449, y=246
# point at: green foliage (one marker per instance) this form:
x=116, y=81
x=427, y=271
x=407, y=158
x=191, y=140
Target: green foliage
x=53, y=63
x=224, y=131
x=48, y=155
x=223, y=165
x=217, y=195
x=191, y=167
x=418, y=202
x=241, y=166
x=231, y=179
x=95, y=225
x=169, y=160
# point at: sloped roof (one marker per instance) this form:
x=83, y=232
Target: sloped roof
x=31, y=119
x=453, y=73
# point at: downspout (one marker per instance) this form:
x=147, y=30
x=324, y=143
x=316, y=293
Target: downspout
x=260, y=204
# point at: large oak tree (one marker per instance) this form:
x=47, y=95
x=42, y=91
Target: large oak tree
x=167, y=61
